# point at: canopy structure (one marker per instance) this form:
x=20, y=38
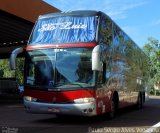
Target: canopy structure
x=17, y=18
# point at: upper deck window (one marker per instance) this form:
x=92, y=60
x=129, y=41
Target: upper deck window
x=64, y=29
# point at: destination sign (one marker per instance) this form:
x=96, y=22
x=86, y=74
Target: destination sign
x=62, y=26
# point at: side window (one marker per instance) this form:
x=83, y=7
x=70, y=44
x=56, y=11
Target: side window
x=108, y=71
x=99, y=77
x=105, y=40
x=105, y=33
x=103, y=76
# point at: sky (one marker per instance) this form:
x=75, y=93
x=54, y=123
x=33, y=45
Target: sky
x=139, y=19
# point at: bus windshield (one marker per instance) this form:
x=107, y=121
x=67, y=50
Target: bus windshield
x=64, y=29
x=60, y=68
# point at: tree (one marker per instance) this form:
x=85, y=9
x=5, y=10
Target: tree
x=152, y=49
x=20, y=70
x=6, y=72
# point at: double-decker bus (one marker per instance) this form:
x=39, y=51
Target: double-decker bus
x=81, y=63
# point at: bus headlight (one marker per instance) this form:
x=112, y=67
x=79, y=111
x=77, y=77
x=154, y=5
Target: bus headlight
x=84, y=100
x=30, y=99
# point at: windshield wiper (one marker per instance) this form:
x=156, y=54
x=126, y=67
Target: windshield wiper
x=76, y=84
x=63, y=84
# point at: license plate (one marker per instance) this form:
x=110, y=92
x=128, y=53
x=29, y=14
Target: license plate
x=53, y=110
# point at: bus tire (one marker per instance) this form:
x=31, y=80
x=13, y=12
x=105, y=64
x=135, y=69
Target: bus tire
x=140, y=101
x=112, y=112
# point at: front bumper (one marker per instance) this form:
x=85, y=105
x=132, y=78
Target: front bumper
x=86, y=109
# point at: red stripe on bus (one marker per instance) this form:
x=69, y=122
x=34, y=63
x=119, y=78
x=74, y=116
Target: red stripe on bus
x=59, y=97
x=60, y=46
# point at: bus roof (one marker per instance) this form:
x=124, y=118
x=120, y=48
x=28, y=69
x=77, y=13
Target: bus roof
x=71, y=13
x=82, y=13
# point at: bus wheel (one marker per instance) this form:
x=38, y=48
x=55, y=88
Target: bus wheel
x=112, y=112
x=140, y=101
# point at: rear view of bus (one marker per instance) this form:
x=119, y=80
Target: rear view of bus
x=59, y=77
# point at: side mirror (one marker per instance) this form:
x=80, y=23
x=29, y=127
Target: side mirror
x=13, y=57
x=96, y=62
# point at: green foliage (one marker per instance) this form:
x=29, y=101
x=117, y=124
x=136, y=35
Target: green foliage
x=6, y=72
x=20, y=70
x=152, y=49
